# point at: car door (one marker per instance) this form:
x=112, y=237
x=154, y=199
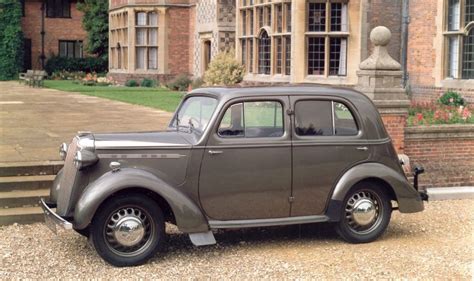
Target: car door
x=246, y=167
x=327, y=140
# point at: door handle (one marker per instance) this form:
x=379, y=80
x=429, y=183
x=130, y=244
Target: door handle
x=215, y=152
x=362, y=148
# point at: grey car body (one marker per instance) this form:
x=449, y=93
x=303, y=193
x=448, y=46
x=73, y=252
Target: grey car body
x=203, y=181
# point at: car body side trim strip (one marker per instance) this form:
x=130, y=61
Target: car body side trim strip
x=267, y=222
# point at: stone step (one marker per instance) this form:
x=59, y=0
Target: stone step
x=21, y=215
x=26, y=182
x=30, y=168
x=22, y=198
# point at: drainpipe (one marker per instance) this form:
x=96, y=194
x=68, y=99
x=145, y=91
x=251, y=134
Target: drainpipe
x=404, y=39
x=43, y=12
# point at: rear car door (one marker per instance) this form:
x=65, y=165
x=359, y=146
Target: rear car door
x=328, y=139
x=246, y=167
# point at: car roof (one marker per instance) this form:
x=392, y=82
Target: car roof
x=296, y=89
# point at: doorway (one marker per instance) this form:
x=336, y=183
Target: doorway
x=27, y=54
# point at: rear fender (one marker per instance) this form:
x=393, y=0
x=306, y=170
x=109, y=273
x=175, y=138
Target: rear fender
x=189, y=217
x=409, y=200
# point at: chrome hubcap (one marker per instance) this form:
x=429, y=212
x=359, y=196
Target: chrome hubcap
x=129, y=231
x=363, y=211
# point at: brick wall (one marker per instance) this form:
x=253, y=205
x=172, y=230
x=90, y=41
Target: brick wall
x=179, y=40
x=446, y=152
x=386, y=13
x=55, y=29
x=433, y=93
x=395, y=126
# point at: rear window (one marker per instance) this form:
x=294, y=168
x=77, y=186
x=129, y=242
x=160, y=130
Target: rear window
x=324, y=118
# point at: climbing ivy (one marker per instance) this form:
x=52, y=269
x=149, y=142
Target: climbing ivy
x=11, y=39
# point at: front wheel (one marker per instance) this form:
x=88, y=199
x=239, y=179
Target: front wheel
x=127, y=231
x=365, y=215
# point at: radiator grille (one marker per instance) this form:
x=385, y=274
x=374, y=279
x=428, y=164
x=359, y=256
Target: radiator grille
x=67, y=182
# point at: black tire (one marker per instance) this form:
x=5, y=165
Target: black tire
x=134, y=209
x=372, y=228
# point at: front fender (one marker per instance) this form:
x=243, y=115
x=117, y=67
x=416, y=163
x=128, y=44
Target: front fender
x=189, y=217
x=409, y=200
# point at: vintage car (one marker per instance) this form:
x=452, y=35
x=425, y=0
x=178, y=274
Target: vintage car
x=234, y=158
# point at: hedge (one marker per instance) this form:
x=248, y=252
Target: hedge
x=11, y=39
x=89, y=64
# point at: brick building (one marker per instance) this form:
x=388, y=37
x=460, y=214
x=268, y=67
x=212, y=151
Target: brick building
x=51, y=27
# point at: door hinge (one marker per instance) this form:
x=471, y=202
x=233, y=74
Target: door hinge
x=290, y=111
x=291, y=199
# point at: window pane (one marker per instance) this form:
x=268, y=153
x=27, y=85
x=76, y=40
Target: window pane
x=141, y=18
x=316, y=55
x=336, y=16
x=288, y=17
x=243, y=43
x=141, y=36
x=337, y=56
x=260, y=17
x=264, y=54
x=344, y=121
x=453, y=56
x=263, y=119
x=153, y=19
x=468, y=56
x=244, y=23
x=279, y=54
x=62, y=49
x=78, y=49
x=195, y=112
x=152, y=58
x=454, y=14
x=70, y=49
x=469, y=11
x=317, y=17
x=153, y=36
x=251, y=22
x=250, y=47
x=313, y=118
x=50, y=8
x=279, y=18
x=268, y=12
x=232, y=122
x=66, y=9
x=287, y=55
x=140, y=59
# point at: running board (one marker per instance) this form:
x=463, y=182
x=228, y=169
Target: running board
x=214, y=224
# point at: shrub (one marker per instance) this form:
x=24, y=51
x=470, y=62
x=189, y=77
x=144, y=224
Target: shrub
x=224, y=69
x=425, y=113
x=131, y=83
x=180, y=83
x=452, y=98
x=11, y=39
x=66, y=75
x=148, y=83
x=89, y=64
x=197, y=83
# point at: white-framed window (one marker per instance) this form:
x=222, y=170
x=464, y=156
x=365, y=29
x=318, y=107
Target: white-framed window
x=459, y=38
x=146, y=40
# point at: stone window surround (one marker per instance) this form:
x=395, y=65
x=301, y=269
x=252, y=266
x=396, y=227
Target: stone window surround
x=446, y=81
x=257, y=30
x=162, y=39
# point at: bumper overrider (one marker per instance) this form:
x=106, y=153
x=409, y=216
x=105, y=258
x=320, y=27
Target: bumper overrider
x=52, y=219
x=418, y=170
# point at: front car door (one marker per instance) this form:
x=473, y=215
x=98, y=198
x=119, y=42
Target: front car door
x=327, y=140
x=246, y=167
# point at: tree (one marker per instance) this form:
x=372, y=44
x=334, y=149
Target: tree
x=96, y=23
x=11, y=39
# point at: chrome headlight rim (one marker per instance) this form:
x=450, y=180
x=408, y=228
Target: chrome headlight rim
x=63, y=151
x=78, y=160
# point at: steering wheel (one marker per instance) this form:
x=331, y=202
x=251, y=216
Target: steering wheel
x=194, y=125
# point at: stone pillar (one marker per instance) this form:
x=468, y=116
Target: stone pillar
x=380, y=78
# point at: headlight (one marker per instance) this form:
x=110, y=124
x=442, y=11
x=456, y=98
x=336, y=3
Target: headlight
x=84, y=158
x=63, y=151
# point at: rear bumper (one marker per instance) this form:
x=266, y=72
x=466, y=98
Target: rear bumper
x=52, y=218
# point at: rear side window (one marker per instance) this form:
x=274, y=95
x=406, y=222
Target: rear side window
x=324, y=118
x=259, y=119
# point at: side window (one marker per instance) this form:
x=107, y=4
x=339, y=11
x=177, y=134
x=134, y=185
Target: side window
x=344, y=121
x=316, y=118
x=259, y=119
x=313, y=118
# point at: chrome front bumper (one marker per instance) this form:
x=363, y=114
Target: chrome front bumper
x=52, y=219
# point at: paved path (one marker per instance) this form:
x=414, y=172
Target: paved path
x=34, y=122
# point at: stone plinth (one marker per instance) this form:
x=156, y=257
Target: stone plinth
x=380, y=78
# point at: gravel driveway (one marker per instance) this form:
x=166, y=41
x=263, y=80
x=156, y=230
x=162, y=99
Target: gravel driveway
x=437, y=243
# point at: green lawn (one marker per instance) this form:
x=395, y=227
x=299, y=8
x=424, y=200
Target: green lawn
x=160, y=98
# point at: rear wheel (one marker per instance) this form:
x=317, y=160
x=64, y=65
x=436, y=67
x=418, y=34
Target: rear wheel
x=129, y=230
x=366, y=214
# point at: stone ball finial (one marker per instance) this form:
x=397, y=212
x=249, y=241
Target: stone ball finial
x=380, y=36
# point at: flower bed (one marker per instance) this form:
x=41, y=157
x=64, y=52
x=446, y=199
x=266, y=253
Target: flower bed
x=435, y=113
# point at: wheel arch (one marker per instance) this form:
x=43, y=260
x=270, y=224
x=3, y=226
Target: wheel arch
x=394, y=183
x=188, y=216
